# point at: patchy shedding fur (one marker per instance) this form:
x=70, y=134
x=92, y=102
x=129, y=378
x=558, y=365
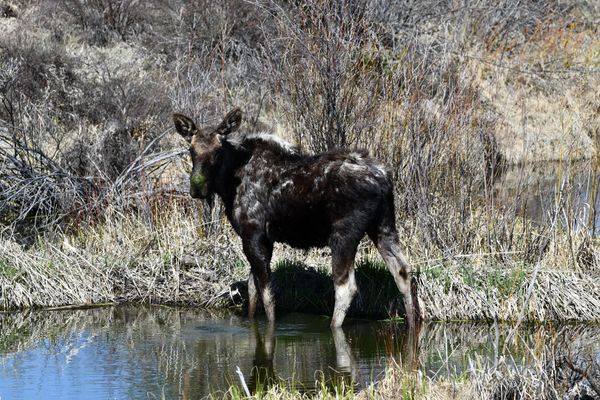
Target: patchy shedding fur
x=273, y=193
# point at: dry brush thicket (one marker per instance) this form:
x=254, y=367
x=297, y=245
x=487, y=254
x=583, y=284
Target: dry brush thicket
x=93, y=192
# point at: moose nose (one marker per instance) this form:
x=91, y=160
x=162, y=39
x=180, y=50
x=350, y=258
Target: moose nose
x=197, y=193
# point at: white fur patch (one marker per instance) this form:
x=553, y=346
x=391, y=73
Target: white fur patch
x=268, y=302
x=267, y=296
x=238, y=140
x=356, y=156
x=352, y=167
x=380, y=171
x=343, y=297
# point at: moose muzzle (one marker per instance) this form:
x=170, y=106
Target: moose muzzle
x=198, y=186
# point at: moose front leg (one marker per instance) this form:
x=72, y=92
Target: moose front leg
x=252, y=295
x=258, y=251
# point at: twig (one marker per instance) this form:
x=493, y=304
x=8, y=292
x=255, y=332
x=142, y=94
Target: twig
x=592, y=382
x=243, y=381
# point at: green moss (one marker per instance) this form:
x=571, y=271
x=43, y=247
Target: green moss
x=239, y=265
x=198, y=181
x=7, y=270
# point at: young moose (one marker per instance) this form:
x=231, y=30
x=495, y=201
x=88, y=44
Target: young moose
x=272, y=193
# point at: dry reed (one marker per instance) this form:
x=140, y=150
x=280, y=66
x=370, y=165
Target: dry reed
x=456, y=291
x=124, y=260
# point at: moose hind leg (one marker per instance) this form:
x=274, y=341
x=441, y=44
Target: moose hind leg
x=389, y=247
x=343, y=282
x=256, y=286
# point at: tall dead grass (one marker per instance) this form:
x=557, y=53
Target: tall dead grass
x=87, y=149
x=465, y=292
x=125, y=259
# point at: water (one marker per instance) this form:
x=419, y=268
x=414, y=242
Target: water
x=539, y=191
x=158, y=352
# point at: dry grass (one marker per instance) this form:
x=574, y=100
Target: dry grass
x=88, y=156
x=538, y=82
x=165, y=256
x=456, y=291
x=125, y=259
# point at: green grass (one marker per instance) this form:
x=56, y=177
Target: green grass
x=502, y=279
x=7, y=270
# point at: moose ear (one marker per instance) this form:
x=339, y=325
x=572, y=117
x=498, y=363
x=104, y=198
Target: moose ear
x=185, y=126
x=231, y=122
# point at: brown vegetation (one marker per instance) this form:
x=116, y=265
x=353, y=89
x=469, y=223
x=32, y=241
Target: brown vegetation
x=86, y=91
x=94, y=205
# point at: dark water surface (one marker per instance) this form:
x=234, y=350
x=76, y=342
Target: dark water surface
x=132, y=352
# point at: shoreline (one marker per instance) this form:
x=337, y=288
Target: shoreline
x=447, y=292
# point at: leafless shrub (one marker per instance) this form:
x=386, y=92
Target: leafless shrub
x=37, y=191
x=349, y=83
x=322, y=60
x=117, y=151
x=105, y=18
x=33, y=75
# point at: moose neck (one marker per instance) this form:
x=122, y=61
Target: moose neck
x=226, y=180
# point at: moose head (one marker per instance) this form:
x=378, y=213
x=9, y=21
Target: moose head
x=204, y=149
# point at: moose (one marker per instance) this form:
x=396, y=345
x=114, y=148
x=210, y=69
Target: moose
x=274, y=193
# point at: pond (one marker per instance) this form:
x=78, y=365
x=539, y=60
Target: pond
x=539, y=191
x=153, y=352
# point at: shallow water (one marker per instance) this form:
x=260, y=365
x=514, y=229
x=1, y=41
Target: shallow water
x=158, y=352
x=539, y=191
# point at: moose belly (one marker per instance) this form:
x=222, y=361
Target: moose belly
x=301, y=230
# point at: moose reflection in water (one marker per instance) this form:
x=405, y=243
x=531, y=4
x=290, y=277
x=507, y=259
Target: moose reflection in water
x=273, y=193
x=345, y=370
